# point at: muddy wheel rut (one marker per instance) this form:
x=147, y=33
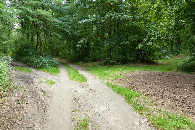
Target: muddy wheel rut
x=59, y=112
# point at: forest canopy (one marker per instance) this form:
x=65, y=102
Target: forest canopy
x=112, y=31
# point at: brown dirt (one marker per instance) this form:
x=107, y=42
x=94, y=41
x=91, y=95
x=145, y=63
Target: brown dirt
x=12, y=109
x=172, y=91
x=25, y=107
x=36, y=104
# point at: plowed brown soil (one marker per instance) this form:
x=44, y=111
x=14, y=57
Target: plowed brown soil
x=172, y=91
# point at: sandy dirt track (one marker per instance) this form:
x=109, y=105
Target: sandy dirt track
x=63, y=105
x=105, y=109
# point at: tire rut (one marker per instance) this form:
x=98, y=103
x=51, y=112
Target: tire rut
x=59, y=111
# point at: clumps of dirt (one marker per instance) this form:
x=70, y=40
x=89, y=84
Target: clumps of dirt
x=81, y=108
x=12, y=109
x=173, y=91
x=25, y=107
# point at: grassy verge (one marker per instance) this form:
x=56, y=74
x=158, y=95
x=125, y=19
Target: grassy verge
x=160, y=119
x=23, y=69
x=50, y=82
x=82, y=125
x=164, y=120
x=171, y=121
x=51, y=70
x=165, y=65
x=74, y=74
x=130, y=96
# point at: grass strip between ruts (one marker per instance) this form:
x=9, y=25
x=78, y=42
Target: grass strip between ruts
x=74, y=74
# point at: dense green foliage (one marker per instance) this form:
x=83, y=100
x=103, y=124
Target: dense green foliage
x=30, y=56
x=188, y=65
x=112, y=31
x=6, y=45
x=4, y=72
x=40, y=62
x=6, y=27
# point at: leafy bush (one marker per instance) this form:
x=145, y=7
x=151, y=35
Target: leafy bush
x=145, y=53
x=124, y=52
x=112, y=53
x=188, y=64
x=31, y=57
x=22, y=49
x=4, y=72
x=39, y=61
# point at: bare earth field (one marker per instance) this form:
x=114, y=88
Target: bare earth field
x=172, y=91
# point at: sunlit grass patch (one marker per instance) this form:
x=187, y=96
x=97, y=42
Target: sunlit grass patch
x=50, y=82
x=23, y=69
x=82, y=125
x=171, y=121
x=130, y=96
x=165, y=65
x=51, y=70
x=74, y=74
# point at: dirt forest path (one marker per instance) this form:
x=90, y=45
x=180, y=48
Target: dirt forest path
x=102, y=107
x=64, y=105
x=59, y=111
